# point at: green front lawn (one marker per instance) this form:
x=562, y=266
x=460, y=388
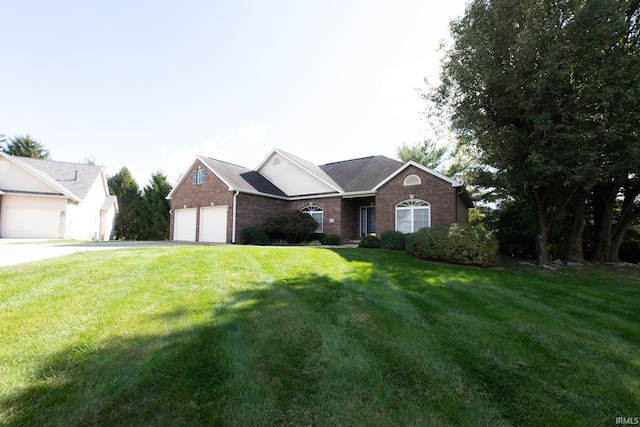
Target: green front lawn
x=196, y=335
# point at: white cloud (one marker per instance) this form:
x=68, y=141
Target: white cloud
x=231, y=147
x=254, y=133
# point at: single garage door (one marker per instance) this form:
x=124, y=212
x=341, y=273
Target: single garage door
x=184, y=225
x=213, y=224
x=20, y=223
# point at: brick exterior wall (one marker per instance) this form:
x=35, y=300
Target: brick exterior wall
x=341, y=216
x=213, y=192
x=433, y=190
x=252, y=210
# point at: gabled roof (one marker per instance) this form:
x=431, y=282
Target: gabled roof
x=71, y=180
x=240, y=178
x=305, y=165
x=236, y=178
x=402, y=167
x=75, y=177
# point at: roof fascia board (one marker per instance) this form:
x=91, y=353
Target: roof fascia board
x=35, y=194
x=43, y=177
x=453, y=182
x=311, y=196
x=182, y=178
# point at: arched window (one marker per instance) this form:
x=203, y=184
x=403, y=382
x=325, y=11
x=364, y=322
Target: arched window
x=317, y=214
x=412, y=215
x=412, y=179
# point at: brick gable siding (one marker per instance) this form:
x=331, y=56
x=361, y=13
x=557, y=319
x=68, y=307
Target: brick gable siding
x=433, y=190
x=213, y=192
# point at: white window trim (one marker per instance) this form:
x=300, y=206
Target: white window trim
x=311, y=210
x=411, y=206
x=412, y=179
x=201, y=176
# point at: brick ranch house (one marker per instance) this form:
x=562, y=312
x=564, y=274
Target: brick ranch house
x=214, y=201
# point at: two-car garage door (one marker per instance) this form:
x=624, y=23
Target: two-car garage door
x=213, y=224
x=32, y=223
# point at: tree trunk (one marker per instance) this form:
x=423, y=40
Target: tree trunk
x=604, y=198
x=574, y=228
x=542, y=251
x=629, y=213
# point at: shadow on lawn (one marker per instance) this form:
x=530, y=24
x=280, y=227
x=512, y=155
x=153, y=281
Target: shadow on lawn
x=253, y=363
x=396, y=343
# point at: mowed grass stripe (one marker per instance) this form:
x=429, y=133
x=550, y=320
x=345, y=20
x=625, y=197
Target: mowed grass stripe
x=308, y=336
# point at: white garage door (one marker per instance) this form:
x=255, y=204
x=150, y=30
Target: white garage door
x=184, y=225
x=213, y=224
x=20, y=223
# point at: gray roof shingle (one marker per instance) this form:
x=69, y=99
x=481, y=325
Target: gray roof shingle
x=76, y=177
x=361, y=174
x=241, y=178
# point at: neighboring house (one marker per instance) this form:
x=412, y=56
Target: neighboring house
x=51, y=200
x=214, y=201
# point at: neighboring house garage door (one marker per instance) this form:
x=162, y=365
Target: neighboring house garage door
x=32, y=223
x=213, y=224
x=184, y=225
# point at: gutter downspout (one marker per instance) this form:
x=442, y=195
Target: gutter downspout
x=233, y=219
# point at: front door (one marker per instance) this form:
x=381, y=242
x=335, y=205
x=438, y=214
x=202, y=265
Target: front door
x=367, y=220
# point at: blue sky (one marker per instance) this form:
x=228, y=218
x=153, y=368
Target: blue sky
x=150, y=84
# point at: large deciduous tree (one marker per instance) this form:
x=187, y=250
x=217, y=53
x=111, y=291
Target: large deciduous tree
x=25, y=146
x=547, y=93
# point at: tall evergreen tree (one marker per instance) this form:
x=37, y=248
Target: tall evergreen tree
x=425, y=153
x=125, y=188
x=154, y=219
x=25, y=146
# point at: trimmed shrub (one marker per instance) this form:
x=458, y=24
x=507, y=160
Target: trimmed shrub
x=371, y=242
x=331, y=239
x=455, y=243
x=292, y=226
x=255, y=236
x=393, y=240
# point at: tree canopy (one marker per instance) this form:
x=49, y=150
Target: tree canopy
x=25, y=146
x=144, y=215
x=426, y=153
x=125, y=188
x=548, y=94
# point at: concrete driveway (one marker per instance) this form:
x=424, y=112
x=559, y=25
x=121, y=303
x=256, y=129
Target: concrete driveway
x=17, y=251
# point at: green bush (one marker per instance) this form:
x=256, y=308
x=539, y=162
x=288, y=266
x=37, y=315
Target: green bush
x=455, y=243
x=331, y=239
x=393, y=240
x=255, y=236
x=292, y=226
x=371, y=242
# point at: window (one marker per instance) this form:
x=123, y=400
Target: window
x=412, y=180
x=198, y=176
x=412, y=215
x=317, y=214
